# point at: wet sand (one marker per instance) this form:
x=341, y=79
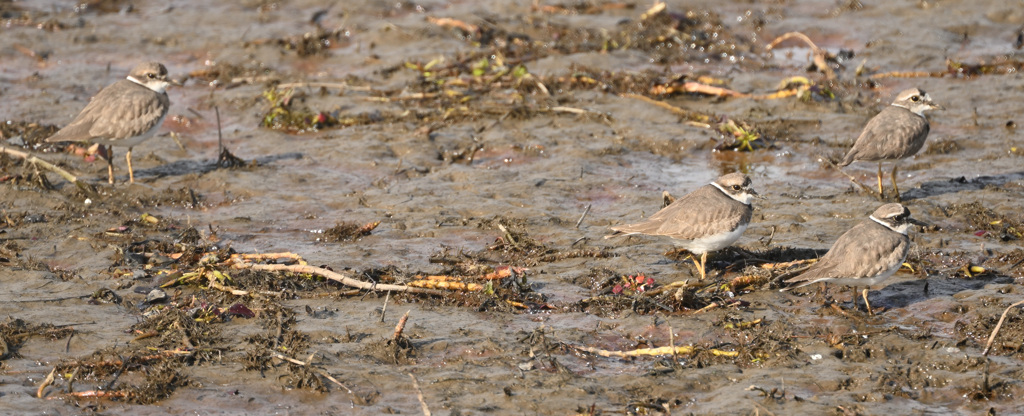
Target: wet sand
x=442, y=155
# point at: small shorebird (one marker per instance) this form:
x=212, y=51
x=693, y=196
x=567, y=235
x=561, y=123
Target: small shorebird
x=898, y=132
x=124, y=113
x=707, y=219
x=866, y=254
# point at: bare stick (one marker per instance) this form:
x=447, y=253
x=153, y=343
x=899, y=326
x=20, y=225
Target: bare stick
x=851, y=178
x=419, y=395
x=680, y=350
x=401, y=325
x=85, y=187
x=337, y=277
x=991, y=338
x=384, y=311
x=585, y=212
x=46, y=382
x=220, y=136
x=562, y=109
x=177, y=141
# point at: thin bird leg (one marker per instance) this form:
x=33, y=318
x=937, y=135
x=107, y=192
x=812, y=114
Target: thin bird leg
x=880, y=194
x=868, y=305
x=131, y=173
x=703, y=265
x=110, y=164
x=699, y=265
x=895, y=188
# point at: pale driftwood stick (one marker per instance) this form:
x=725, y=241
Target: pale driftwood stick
x=419, y=395
x=85, y=187
x=992, y=338
x=337, y=277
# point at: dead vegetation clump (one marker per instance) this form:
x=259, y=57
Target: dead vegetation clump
x=119, y=374
x=14, y=333
x=348, y=231
x=986, y=222
x=186, y=327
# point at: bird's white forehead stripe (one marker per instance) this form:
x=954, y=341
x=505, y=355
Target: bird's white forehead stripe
x=902, y=228
x=744, y=197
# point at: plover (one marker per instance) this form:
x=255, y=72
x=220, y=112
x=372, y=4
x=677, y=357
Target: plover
x=707, y=219
x=866, y=254
x=898, y=132
x=124, y=113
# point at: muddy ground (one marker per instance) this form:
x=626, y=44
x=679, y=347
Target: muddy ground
x=500, y=141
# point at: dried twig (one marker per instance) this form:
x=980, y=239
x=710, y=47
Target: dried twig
x=585, y=212
x=85, y=187
x=419, y=395
x=865, y=188
x=907, y=74
x=675, y=350
x=384, y=310
x=401, y=326
x=449, y=22
x=820, y=55
x=309, y=365
x=240, y=262
x=46, y=382
x=992, y=338
x=106, y=394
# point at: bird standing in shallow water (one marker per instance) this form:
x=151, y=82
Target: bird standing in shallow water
x=707, y=219
x=898, y=132
x=124, y=113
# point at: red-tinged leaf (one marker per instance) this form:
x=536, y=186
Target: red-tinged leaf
x=980, y=233
x=617, y=289
x=239, y=309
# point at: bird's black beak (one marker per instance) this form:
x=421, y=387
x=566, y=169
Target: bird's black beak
x=918, y=222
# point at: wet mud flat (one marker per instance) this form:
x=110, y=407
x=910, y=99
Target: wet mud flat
x=461, y=162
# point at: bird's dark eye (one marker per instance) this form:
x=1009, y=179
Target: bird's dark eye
x=915, y=98
x=153, y=76
x=736, y=187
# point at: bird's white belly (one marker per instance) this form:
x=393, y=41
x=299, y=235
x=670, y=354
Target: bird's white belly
x=713, y=242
